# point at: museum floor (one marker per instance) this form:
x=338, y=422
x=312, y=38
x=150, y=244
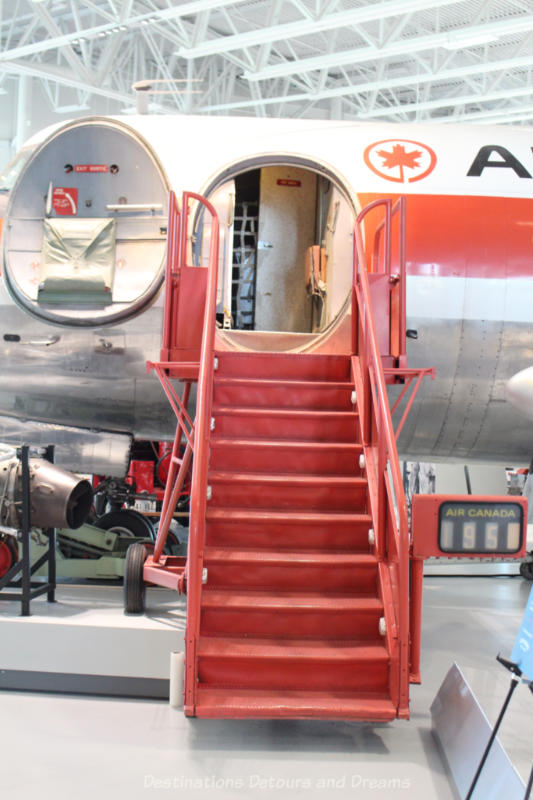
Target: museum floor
x=70, y=746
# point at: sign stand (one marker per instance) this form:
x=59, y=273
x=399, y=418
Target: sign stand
x=530, y=781
x=517, y=673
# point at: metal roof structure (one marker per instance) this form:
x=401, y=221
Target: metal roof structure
x=396, y=60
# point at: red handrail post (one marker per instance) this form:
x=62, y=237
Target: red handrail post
x=403, y=281
x=389, y=508
x=415, y=622
x=198, y=503
x=171, y=270
x=383, y=549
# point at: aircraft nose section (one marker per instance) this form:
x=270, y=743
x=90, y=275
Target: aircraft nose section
x=519, y=391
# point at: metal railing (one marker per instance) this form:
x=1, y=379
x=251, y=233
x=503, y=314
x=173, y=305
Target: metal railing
x=172, y=270
x=202, y=433
x=387, y=498
x=160, y=569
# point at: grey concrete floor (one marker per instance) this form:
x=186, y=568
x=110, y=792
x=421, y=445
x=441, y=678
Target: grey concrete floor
x=61, y=746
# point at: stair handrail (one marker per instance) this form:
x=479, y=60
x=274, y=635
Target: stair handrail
x=198, y=501
x=392, y=532
x=398, y=279
x=171, y=270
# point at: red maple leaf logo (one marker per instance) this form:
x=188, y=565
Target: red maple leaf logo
x=399, y=157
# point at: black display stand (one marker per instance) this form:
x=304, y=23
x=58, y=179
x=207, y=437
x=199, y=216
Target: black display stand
x=19, y=576
x=515, y=680
x=530, y=781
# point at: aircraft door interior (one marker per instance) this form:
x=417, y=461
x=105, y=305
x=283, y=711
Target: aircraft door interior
x=85, y=242
x=286, y=234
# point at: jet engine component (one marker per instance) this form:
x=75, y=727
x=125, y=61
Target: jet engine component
x=58, y=499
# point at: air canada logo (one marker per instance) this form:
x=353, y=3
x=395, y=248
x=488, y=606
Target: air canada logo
x=400, y=160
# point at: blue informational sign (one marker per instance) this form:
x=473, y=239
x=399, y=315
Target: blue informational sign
x=522, y=654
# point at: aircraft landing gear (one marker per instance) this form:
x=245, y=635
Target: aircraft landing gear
x=127, y=522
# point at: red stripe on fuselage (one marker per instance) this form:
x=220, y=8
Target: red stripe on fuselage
x=473, y=237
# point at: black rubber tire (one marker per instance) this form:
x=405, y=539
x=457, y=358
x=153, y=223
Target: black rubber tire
x=526, y=570
x=100, y=502
x=134, y=588
x=129, y=520
x=171, y=543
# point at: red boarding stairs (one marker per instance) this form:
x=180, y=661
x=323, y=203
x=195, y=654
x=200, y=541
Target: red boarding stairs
x=297, y=574
x=292, y=617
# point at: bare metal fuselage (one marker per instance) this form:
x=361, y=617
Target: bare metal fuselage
x=92, y=376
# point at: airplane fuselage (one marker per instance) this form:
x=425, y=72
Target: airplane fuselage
x=469, y=262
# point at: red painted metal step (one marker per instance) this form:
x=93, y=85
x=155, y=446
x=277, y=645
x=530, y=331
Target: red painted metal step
x=291, y=570
x=282, y=664
x=284, y=423
x=292, y=704
x=288, y=366
x=269, y=455
x=289, y=614
x=326, y=395
x=294, y=491
x=291, y=530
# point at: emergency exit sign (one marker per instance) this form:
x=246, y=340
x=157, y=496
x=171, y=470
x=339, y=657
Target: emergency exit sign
x=91, y=168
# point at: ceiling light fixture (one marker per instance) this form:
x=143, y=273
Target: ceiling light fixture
x=456, y=41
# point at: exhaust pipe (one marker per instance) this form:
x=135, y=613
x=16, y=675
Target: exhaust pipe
x=58, y=499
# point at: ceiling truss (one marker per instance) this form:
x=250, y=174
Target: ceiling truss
x=392, y=60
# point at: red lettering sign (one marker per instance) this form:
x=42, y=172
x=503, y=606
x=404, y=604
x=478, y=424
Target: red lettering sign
x=91, y=168
x=65, y=201
x=288, y=182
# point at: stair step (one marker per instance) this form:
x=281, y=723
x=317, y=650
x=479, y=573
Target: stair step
x=289, y=614
x=290, y=704
x=263, y=393
x=302, y=649
x=283, y=365
x=268, y=455
x=291, y=530
x=292, y=664
x=293, y=491
x=291, y=570
x=303, y=424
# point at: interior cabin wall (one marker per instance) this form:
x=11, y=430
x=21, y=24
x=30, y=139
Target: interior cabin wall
x=286, y=229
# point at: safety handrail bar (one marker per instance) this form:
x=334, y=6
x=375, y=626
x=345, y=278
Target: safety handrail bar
x=385, y=226
x=198, y=502
x=171, y=269
x=380, y=436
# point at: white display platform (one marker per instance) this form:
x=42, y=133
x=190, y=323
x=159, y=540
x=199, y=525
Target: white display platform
x=85, y=643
